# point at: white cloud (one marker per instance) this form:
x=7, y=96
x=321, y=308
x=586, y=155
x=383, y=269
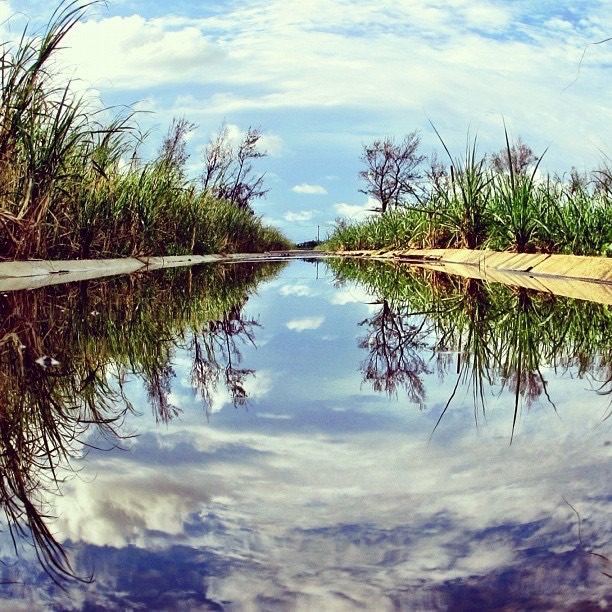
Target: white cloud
x=134, y=52
x=304, y=215
x=272, y=144
x=298, y=510
x=257, y=386
x=357, y=212
x=307, y=323
x=308, y=189
x=353, y=294
x=274, y=416
x=299, y=290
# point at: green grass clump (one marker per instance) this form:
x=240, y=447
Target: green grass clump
x=478, y=204
x=72, y=184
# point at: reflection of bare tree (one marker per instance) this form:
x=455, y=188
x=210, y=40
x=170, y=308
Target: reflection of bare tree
x=158, y=387
x=603, y=384
x=486, y=335
x=216, y=357
x=395, y=343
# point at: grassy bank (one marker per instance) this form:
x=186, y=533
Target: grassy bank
x=474, y=204
x=72, y=183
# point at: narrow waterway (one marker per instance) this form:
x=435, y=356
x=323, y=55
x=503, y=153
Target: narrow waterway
x=304, y=435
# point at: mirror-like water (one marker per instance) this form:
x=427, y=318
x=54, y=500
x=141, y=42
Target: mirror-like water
x=304, y=436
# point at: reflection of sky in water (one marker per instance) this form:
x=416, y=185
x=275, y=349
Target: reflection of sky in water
x=322, y=494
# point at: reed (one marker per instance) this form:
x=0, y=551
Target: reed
x=577, y=215
x=476, y=205
x=516, y=208
x=72, y=184
x=463, y=199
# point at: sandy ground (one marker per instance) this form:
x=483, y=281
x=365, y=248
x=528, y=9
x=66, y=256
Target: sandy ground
x=585, y=278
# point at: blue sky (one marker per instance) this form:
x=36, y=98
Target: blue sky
x=321, y=78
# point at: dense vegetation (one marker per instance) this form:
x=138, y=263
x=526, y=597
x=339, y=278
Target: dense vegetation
x=72, y=183
x=500, y=201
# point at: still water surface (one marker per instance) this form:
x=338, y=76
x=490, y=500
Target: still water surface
x=324, y=444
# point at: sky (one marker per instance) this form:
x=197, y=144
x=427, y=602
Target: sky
x=323, y=78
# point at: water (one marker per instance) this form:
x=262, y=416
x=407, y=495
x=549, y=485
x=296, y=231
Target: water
x=290, y=438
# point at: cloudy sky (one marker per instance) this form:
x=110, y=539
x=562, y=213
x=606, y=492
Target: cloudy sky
x=323, y=77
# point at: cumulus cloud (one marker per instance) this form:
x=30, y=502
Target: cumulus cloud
x=303, y=215
x=270, y=144
x=308, y=189
x=134, y=52
x=356, y=212
x=352, y=294
x=298, y=290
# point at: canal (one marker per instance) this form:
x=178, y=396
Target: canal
x=308, y=434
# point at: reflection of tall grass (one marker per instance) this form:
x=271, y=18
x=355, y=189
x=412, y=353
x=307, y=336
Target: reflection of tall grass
x=46, y=414
x=72, y=185
x=101, y=333
x=500, y=336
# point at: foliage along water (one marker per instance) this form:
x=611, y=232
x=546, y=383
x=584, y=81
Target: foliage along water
x=311, y=435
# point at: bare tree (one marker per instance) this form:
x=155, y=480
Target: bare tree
x=519, y=157
x=228, y=169
x=391, y=172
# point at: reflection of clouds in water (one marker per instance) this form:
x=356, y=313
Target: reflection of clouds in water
x=257, y=386
x=353, y=294
x=326, y=495
x=299, y=290
x=322, y=518
x=305, y=324
x=185, y=395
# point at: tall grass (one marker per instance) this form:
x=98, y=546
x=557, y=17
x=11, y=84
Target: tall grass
x=71, y=184
x=463, y=201
x=475, y=205
x=516, y=208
